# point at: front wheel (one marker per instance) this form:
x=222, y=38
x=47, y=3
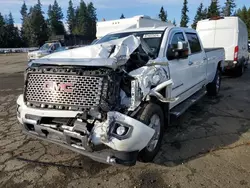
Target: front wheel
x=213, y=88
x=152, y=116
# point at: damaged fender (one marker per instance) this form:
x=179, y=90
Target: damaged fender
x=149, y=81
x=137, y=137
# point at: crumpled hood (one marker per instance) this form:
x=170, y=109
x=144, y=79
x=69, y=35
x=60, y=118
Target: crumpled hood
x=109, y=54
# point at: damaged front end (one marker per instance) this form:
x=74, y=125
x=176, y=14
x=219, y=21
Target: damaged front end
x=92, y=109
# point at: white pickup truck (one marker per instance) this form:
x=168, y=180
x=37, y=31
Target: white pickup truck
x=112, y=100
x=46, y=49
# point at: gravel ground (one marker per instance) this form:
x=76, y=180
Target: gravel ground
x=13, y=63
x=209, y=146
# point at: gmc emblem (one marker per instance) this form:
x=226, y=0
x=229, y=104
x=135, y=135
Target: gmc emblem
x=54, y=86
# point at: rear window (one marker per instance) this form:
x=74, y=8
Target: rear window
x=194, y=42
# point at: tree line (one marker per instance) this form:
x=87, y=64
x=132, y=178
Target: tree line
x=36, y=29
x=214, y=9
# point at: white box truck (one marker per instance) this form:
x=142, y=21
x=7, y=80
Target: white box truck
x=106, y=27
x=231, y=34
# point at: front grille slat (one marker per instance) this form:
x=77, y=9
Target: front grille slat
x=86, y=90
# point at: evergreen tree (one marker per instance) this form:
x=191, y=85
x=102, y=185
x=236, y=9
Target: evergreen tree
x=184, y=16
x=205, y=13
x=2, y=32
x=1, y=20
x=24, y=14
x=24, y=11
x=92, y=18
x=38, y=6
x=71, y=19
x=163, y=15
x=174, y=22
x=12, y=37
x=214, y=9
x=199, y=16
x=122, y=16
x=39, y=27
x=243, y=14
x=55, y=19
x=229, y=7
x=10, y=20
x=82, y=18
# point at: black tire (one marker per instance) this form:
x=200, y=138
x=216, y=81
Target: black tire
x=213, y=88
x=239, y=70
x=145, y=116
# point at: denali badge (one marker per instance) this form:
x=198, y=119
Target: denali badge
x=54, y=86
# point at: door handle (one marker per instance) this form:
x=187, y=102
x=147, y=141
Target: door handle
x=190, y=63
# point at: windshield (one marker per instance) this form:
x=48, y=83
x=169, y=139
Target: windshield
x=46, y=46
x=152, y=38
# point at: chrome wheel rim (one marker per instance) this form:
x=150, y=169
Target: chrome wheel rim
x=155, y=123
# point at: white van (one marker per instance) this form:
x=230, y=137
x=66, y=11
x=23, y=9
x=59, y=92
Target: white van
x=105, y=27
x=231, y=34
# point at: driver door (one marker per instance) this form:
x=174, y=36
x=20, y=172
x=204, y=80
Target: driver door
x=180, y=70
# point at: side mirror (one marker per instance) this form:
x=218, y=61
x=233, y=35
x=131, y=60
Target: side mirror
x=182, y=46
x=178, y=52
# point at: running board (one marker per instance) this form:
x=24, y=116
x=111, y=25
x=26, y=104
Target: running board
x=178, y=110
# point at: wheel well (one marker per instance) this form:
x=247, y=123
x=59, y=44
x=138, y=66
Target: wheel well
x=219, y=67
x=165, y=109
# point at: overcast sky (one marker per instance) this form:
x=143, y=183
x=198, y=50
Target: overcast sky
x=112, y=9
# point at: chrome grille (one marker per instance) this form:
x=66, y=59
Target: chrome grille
x=82, y=91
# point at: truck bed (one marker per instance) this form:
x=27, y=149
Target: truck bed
x=214, y=56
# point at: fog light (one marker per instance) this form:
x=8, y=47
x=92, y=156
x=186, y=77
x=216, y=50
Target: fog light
x=121, y=130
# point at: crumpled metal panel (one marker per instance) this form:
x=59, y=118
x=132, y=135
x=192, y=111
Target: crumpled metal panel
x=110, y=54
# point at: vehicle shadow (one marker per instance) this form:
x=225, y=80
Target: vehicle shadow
x=212, y=124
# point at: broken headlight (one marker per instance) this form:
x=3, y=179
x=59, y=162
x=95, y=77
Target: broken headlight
x=154, y=77
x=136, y=95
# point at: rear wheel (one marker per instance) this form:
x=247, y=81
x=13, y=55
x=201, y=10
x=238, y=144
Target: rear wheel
x=213, y=88
x=240, y=70
x=152, y=116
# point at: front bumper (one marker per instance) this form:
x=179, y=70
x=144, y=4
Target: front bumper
x=103, y=147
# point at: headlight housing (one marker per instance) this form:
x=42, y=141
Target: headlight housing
x=154, y=77
x=121, y=131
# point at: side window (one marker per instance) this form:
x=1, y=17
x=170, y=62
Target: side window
x=194, y=42
x=174, y=44
x=56, y=46
x=176, y=38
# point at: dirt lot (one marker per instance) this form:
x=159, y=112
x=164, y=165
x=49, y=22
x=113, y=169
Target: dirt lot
x=13, y=63
x=209, y=146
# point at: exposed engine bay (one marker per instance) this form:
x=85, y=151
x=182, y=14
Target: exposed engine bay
x=113, y=87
